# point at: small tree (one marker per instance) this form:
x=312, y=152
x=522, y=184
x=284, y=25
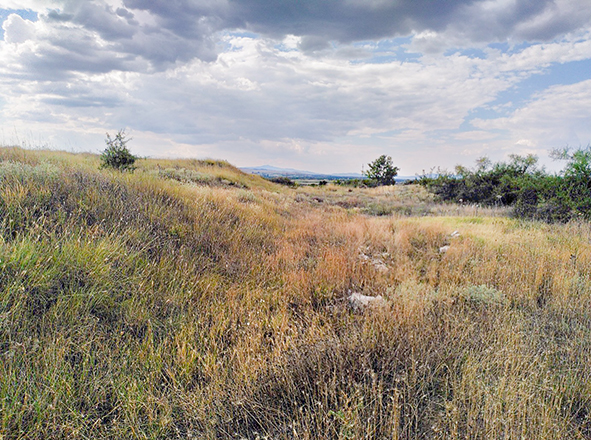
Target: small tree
x=382, y=171
x=117, y=155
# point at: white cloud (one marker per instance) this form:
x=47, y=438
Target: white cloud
x=554, y=118
x=33, y=5
x=541, y=55
x=17, y=30
x=526, y=143
x=429, y=42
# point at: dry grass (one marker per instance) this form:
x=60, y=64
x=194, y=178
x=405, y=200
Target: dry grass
x=144, y=306
x=400, y=200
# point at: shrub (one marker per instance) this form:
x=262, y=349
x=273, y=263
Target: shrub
x=283, y=181
x=117, y=155
x=531, y=191
x=487, y=184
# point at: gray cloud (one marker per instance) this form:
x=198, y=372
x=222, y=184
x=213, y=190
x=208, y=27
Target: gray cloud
x=104, y=20
x=531, y=20
x=320, y=22
x=92, y=36
x=68, y=54
x=59, y=17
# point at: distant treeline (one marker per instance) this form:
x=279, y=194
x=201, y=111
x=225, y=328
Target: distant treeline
x=521, y=184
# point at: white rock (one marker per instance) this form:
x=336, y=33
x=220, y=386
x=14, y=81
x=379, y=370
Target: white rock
x=358, y=302
x=443, y=249
x=455, y=234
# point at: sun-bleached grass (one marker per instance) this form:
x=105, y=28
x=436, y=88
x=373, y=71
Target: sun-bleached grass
x=143, y=306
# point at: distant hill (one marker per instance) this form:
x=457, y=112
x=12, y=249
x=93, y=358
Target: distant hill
x=270, y=171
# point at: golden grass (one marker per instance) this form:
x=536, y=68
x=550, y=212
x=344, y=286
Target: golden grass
x=144, y=306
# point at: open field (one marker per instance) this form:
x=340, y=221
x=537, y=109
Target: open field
x=189, y=300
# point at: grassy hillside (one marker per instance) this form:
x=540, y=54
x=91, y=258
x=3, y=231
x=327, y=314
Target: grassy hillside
x=189, y=300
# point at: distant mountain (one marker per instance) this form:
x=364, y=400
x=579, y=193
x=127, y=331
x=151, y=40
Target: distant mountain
x=271, y=171
x=275, y=171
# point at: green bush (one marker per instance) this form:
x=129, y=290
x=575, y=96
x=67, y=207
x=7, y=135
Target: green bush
x=117, y=155
x=487, y=184
x=532, y=192
x=382, y=171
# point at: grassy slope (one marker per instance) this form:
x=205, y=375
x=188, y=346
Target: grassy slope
x=191, y=300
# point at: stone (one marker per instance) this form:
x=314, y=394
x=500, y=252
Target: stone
x=359, y=302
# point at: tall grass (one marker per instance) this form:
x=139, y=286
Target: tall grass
x=144, y=306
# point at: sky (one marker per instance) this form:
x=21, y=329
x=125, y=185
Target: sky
x=319, y=85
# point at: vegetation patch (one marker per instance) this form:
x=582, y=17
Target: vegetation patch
x=196, y=177
x=138, y=305
x=532, y=192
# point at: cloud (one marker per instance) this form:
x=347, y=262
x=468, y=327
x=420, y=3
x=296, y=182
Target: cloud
x=558, y=18
x=93, y=36
x=492, y=20
x=34, y=5
x=110, y=24
x=320, y=22
x=553, y=118
x=17, y=30
x=256, y=90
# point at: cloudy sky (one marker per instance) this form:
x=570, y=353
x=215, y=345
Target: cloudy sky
x=321, y=85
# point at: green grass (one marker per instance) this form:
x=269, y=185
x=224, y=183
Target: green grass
x=189, y=300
